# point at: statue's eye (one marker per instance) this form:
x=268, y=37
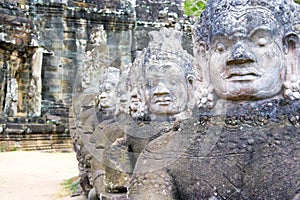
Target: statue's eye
x=262, y=42
x=220, y=47
x=173, y=81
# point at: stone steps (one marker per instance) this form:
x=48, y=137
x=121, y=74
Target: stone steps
x=31, y=136
x=13, y=139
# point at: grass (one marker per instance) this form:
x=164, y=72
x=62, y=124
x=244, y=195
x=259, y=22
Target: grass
x=71, y=184
x=68, y=187
x=2, y=148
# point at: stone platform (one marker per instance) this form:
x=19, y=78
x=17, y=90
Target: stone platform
x=16, y=134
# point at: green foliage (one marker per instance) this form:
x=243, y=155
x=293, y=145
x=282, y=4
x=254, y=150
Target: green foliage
x=2, y=148
x=71, y=185
x=14, y=149
x=194, y=7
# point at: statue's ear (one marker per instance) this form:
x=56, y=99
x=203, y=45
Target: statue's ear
x=201, y=57
x=291, y=48
x=290, y=42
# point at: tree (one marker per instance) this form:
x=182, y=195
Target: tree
x=195, y=7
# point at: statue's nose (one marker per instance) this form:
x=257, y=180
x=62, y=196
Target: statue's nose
x=161, y=89
x=123, y=98
x=240, y=55
x=103, y=95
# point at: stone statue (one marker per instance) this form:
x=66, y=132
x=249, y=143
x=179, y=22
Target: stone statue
x=107, y=130
x=35, y=88
x=159, y=100
x=99, y=115
x=85, y=104
x=291, y=88
x=243, y=142
x=166, y=76
x=246, y=56
x=166, y=81
x=108, y=85
x=136, y=103
x=122, y=105
x=11, y=100
x=12, y=95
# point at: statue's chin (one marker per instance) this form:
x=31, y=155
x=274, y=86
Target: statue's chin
x=248, y=94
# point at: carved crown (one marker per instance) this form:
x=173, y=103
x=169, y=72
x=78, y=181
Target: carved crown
x=111, y=74
x=280, y=10
x=165, y=45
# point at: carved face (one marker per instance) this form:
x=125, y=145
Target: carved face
x=122, y=100
x=86, y=80
x=246, y=58
x=107, y=97
x=166, y=89
x=134, y=100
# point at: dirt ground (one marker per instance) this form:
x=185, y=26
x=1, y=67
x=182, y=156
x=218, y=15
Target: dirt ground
x=35, y=175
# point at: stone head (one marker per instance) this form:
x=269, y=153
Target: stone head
x=108, y=89
x=122, y=92
x=168, y=74
x=134, y=97
x=241, y=47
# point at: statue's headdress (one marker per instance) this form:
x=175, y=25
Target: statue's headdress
x=280, y=11
x=296, y=19
x=112, y=75
x=165, y=45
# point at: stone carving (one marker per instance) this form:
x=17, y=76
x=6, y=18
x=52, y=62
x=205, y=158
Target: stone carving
x=122, y=105
x=237, y=147
x=11, y=99
x=107, y=181
x=35, y=88
x=144, y=92
x=12, y=96
x=245, y=54
x=291, y=85
x=108, y=85
x=136, y=103
x=165, y=86
x=85, y=104
x=21, y=62
x=167, y=76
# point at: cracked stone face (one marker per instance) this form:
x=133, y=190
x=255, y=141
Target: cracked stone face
x=166, y=88
x=107, y=97
x=246, y=59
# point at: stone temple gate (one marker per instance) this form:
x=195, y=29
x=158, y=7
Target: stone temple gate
x=157, y=105
x=42, y=48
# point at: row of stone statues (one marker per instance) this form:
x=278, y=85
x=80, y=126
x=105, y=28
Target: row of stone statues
x=223, y=124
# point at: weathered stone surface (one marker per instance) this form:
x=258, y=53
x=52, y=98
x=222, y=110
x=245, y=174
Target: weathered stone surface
x=242, y=142
x=63, y=28
x=218, y=160
x=233, y=147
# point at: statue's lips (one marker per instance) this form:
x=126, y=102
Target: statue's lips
x=163, y=101
x=104, y=103
x=241, y=74
x=123, y=101
x=135, y=101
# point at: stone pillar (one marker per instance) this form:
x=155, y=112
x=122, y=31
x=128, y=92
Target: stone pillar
x=35, y=88
x=12, y=94
x=11, y=98
x=3, y=72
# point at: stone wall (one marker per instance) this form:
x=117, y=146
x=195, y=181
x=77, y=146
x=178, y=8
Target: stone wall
x=62, y=30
